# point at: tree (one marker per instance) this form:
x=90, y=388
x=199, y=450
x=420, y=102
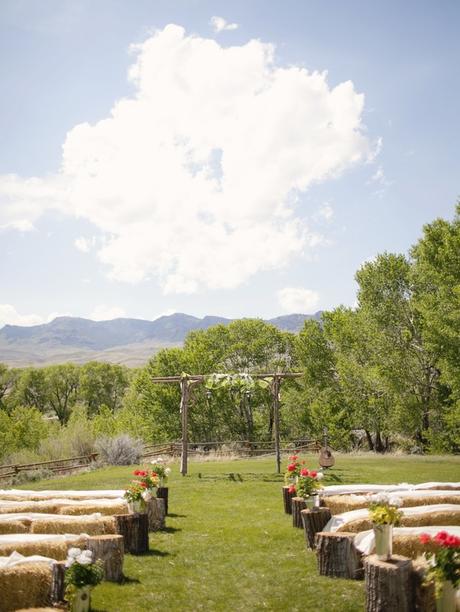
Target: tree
x=63, y=383
x=31, y=389
x=102, y=384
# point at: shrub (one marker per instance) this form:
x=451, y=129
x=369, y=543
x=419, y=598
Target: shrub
x=121, y=450
x=32, y=476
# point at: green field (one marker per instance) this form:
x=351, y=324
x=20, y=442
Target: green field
x=229, y=546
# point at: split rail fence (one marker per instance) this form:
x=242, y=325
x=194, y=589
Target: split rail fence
x=170, y=449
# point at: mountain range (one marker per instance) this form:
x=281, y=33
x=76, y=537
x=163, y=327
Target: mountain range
x=127, y=341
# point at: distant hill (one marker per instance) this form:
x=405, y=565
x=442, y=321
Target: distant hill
x=128, y=341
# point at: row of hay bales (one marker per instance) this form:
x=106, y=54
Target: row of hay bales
x=348, y=536
x=40, y=524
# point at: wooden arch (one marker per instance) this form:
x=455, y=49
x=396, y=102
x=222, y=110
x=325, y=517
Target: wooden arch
x=187, y=381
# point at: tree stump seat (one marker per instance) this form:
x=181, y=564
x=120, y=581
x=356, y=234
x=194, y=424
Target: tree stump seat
x=135, y=531
x=314, y=520
x=337, y=555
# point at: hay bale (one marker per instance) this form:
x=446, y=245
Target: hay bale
x=410, y=546
x=14, y=527
x=25, y=586
x=338, y=504
x=41, y=507
x=441, y=518
x=91, y=526
x=52, y=549
x=108, y=510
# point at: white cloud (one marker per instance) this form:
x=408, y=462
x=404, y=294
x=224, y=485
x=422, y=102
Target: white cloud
x=10, y=316
x=84, y=244
x=219, y=24
x=298, y=300
x=196, y=179
x=106, y=313
x=325, y=212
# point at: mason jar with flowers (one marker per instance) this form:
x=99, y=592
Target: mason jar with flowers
x=385, y=514
x=308, y=485
x=444, y=567
x=81, y=575
x=160, y=470
x=292, y=471
x=141, y=491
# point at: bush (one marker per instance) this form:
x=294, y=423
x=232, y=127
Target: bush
x=121, y=450
x=32, y=476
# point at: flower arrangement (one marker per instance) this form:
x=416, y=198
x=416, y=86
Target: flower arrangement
x=81, y=573
x=308, y=482
x=445, y=562
x=384, y=509
x=160, y=470
x=293, y=469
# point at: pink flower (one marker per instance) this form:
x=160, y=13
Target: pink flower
x=424, y=538
x=291, y=467
x=313, y=474
x=304, y=472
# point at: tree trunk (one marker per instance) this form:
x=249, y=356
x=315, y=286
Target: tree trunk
x=314, y=520
x=298, y=504
x=135, y=531
x=163, y=493
x=337, y=555
x=110, y=550
x=369, y=440
x=379, y=448
x=389, y=584
x=57, y=582
x=156, y=514
x=287, y=500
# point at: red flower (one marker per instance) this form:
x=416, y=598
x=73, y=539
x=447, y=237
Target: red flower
x=292, y=489
x=424, y=538
x=137, y=473
x=142, y=473
x=293, y=458
x=441, y=537
x=313, y=474
x=304, y=472
x=291, y=467
x=154, y=474
x=452, y=541
x=144, y=484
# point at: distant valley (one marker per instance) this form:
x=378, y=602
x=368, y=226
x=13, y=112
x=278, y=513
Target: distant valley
x=126, y=341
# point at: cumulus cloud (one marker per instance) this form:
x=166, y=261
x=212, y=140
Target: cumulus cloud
x=298, y=300
x=219, y=24
x=196, y=180
x=10, y=316
x=106, y=313
x=85, y=244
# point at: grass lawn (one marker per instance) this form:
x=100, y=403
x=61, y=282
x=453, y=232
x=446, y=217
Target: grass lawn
x=229, y=546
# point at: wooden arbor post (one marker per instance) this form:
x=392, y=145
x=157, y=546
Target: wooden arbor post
x=185, y=396
x=276, y=419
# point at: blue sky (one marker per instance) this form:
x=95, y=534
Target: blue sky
x=249, y=176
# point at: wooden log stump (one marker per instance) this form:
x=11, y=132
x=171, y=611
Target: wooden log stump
x=314, y=520
x=135, y=531
x=337, y=555
x=425, y=596
x=57, y=594
x=110, y=550
x=287, y=500
x=389, y=585
x=163, y=493
x=156, y=514
x=298, y=504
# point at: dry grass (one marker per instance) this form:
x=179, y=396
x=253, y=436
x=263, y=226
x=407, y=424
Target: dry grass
x=338, y=504
x=53, y=550
x=93, y=526
x=22, y=526
x=25, y=586
x=108, y=510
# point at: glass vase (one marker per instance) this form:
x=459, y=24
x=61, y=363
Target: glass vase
x=312, y=501
x=136, y=506
x=81, y=601
x=445, y=599
x=383, y=535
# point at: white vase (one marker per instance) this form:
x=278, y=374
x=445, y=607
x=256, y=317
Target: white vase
x=136, y=506
x=445, y=600
x=81, y=602
x=383, y=535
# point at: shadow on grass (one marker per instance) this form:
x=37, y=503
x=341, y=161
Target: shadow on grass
x=154, y=552
x=128, y=580
x=170, y=529
x=177, y=515
x=237, y=477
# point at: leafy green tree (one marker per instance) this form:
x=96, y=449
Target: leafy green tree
x=102, y=384
x=62, y=382
x=8, y=378
x=31, y=389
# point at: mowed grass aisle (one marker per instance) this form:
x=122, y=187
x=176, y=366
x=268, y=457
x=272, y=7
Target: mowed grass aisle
x=229, y=546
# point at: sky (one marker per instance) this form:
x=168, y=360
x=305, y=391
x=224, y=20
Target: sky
x=240, y=159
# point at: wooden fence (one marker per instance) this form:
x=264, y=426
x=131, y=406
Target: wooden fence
x=169, y=449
